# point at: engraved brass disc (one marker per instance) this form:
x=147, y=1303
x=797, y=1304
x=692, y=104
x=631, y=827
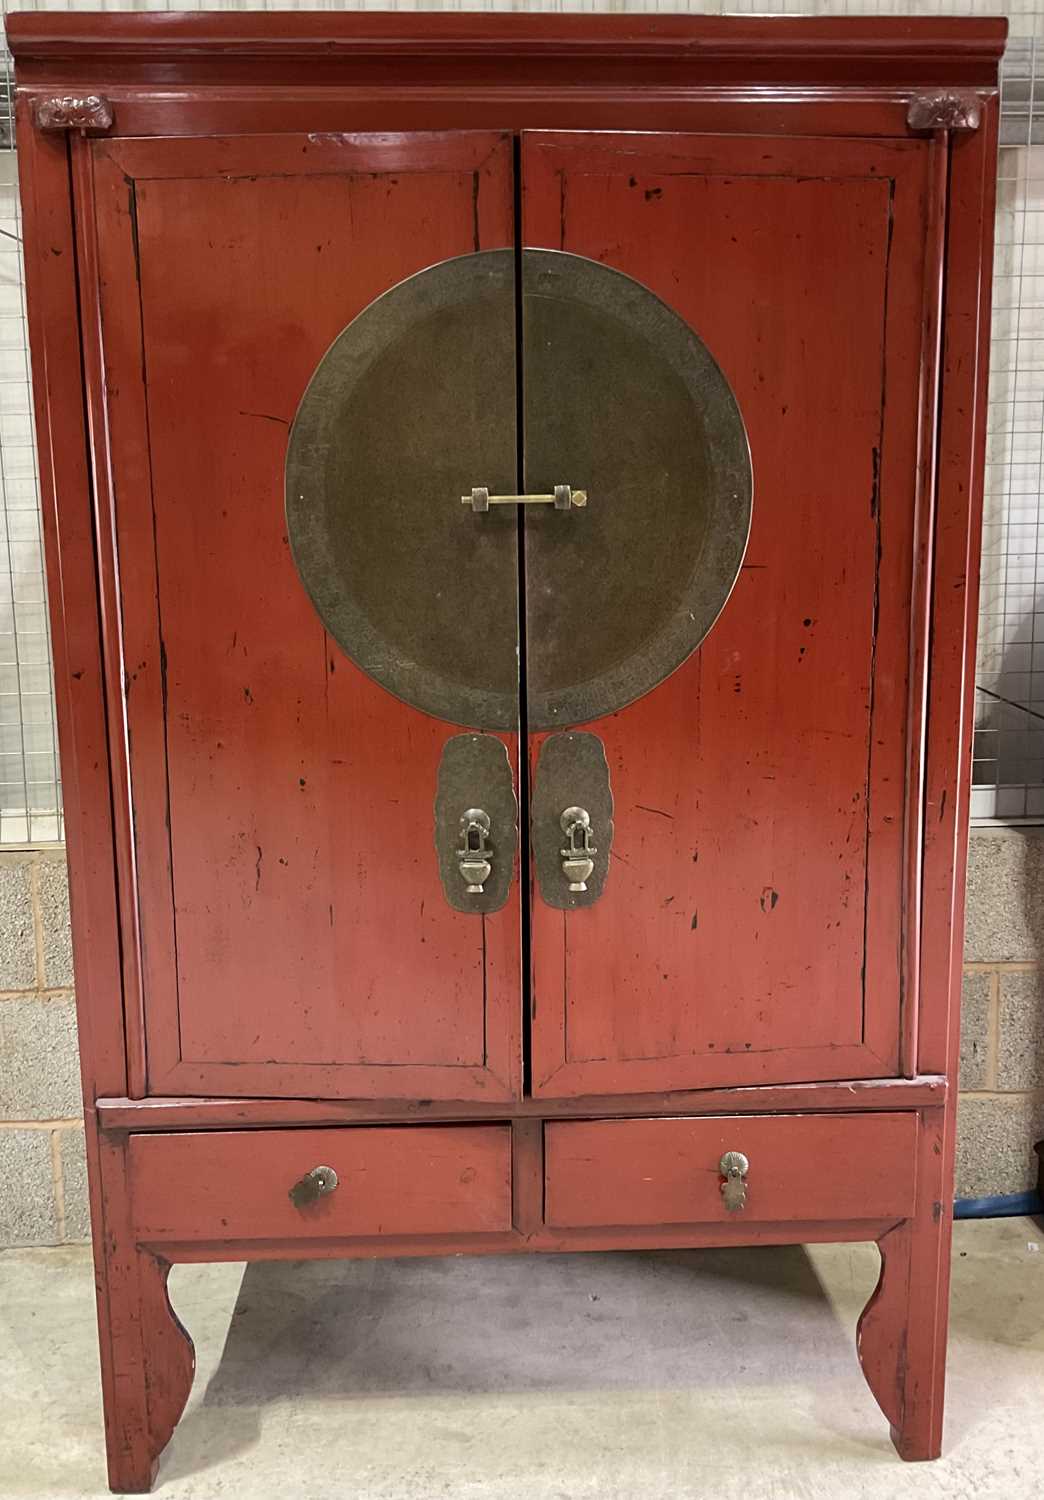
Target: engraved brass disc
x=413, y=407
x=622, y=400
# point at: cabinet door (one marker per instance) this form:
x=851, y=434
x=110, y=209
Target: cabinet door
x=292, y=933
x=750, y=925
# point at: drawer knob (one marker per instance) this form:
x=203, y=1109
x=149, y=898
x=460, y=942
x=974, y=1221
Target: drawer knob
x=734, y=1167
x=313, y=1186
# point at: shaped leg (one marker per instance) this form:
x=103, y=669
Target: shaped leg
x=147, y=1358
x=902, y=1334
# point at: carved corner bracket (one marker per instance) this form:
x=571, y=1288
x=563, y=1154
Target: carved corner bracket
x=944, y=110
x=85, y=112
x=151, y=1362
x=168, y=1351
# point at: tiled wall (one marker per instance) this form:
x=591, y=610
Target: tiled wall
x=1009, y=676
x=43, y=1197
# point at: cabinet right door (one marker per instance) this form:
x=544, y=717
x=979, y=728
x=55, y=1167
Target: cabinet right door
x=750, y=928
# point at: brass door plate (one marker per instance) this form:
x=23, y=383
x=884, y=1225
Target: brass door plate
x=572, y=776
x=476, y=795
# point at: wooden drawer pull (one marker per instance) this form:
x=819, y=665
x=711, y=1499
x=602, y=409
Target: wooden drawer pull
x=313, y=1186
x=734, y=1167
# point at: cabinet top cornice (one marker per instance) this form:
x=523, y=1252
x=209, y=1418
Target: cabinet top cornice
x=859, y=50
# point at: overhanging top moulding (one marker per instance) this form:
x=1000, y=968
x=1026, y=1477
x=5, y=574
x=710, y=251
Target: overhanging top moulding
x=859, y=47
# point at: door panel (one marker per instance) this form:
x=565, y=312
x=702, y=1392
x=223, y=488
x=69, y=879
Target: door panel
x=294, y=935
x=750, y=926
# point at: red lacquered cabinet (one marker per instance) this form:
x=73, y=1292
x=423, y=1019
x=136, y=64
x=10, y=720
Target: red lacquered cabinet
x=511, y=489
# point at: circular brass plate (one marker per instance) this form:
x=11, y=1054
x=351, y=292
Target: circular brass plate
x=622, y=399
x=414, y=405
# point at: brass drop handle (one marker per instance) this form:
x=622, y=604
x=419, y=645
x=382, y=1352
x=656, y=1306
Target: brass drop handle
x=475, y=853
x=577, y=864
x=313, y=1186
x=562, y=498
x=734, y=1167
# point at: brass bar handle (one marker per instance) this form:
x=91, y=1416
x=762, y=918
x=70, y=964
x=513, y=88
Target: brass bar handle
x=563, y=498
x=313, y=1186
x=734, y=1167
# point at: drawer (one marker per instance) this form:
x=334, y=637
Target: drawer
x=651, y=1172
x=391, y=1180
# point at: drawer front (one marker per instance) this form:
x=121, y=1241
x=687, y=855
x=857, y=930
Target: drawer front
x=650, y=1172
x=394, y=1180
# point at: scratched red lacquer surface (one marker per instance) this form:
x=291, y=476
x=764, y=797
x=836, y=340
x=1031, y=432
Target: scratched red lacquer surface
x=750, y=924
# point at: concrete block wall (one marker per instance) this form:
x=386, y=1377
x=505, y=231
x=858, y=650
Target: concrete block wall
x=43, y=1178
x=1002, y=1019
x=43, y=1188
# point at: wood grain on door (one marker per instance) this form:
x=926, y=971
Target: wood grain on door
x=751, y=925
x=294, y=939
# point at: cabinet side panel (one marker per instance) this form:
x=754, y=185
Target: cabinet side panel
x=955, y=597
x=68, y=526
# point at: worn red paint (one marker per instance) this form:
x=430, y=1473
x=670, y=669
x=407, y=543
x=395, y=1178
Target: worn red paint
x=272, y=778
x=773, y=966
x=783, y=745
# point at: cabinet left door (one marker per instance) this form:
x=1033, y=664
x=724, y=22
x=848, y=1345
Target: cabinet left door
x=287, y=931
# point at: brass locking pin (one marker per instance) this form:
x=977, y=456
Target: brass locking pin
x=563, y=498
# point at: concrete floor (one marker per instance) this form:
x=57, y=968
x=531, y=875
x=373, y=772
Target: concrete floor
x=670, y=1376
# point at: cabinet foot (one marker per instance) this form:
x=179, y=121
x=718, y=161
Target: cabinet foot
x=901, y=1336
x=148, y=1362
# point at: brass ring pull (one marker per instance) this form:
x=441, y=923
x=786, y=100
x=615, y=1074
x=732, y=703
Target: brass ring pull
x=563, y=498
x=313, y=1186
x=577, y=864
x=475, y=854
x=734, y=1167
